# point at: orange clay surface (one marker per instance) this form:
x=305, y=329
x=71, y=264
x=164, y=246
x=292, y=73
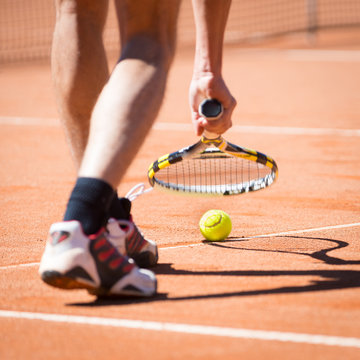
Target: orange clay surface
x=291, y=105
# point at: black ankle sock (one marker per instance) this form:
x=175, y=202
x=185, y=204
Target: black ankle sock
x=120, y=208
x=89, y=203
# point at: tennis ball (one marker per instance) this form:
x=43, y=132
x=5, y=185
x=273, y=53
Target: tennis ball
x=215, y=225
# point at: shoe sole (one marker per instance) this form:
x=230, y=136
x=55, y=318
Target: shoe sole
x=58, y=280
x=104, y=293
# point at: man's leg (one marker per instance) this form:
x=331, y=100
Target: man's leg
x=78, y=253
x=131, y=99
x=80, y=71
x=129, y=104
x=79, y=66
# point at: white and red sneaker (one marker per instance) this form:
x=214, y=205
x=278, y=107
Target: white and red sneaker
x=73, y=260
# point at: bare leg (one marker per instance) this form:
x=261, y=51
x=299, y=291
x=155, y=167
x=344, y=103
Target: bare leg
x=79, y=66
x=131, y=99
x=123, y=114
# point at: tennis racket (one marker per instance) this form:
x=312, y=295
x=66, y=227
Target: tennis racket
x=213, y=166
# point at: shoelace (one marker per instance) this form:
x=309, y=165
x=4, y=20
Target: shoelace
x=137, y=191
x=127, y=227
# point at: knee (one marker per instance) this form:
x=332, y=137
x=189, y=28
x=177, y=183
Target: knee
x=148, y=29
x=150, y=50
x=67, y=7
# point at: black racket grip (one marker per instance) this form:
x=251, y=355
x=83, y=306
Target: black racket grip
x=210, y=109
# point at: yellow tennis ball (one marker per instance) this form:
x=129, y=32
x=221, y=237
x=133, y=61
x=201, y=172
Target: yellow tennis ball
x=215, y=225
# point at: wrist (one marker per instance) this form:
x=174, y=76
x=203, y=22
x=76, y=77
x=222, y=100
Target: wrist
x=208, y=60
x=204, y=67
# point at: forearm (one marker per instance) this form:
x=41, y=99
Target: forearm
x=210, y=20
x=207, y=82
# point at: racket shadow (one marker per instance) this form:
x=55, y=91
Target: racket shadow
x=322, y=254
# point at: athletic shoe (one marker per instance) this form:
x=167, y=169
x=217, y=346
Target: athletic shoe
x=72, y=260
x=128, y=239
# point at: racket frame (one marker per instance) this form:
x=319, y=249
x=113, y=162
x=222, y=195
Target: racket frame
x=214, y=146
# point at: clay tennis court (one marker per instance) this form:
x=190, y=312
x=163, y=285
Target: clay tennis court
x=285, y=285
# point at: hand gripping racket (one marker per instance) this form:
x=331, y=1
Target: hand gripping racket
x=213, y=166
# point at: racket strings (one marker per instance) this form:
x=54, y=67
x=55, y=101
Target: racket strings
x=214, y=175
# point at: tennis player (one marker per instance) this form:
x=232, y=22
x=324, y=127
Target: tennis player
x=106, y=118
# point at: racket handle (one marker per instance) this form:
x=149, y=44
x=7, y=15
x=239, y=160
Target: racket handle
x=211, y=109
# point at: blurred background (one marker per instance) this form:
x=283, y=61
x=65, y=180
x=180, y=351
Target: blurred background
x=26, y=26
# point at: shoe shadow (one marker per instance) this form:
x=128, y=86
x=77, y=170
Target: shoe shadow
x=331, y=279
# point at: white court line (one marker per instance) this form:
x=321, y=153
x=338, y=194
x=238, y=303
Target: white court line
x=217, y=331
x=19, y=266
x=284, y=130
x=168, y=126
x=21, y=121
x=275, y=130
x=291, y=232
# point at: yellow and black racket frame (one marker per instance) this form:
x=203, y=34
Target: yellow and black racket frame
x=214, y=147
